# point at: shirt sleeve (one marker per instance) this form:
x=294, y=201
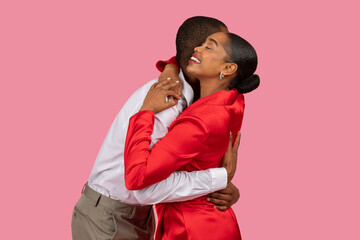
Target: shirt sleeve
x=163, y=121
x=183, y=186
x=144, y=167
x=160, y=65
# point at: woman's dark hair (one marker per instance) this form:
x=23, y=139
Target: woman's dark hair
x=244, y=55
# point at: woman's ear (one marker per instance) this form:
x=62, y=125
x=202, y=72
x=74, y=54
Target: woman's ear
x=229, y=69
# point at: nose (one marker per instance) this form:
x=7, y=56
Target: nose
x=197, y=49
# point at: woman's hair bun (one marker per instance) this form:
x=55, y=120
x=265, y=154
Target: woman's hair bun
x=244, y=55
x=248, y=84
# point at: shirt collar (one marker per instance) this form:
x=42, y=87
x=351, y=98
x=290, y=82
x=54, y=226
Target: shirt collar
x=187, y=91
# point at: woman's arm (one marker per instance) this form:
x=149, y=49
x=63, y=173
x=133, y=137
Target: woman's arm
x=160, y=65
x=170, y=69
x=144, y=167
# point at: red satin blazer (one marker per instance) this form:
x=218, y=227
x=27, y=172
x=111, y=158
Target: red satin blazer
x=197, y=140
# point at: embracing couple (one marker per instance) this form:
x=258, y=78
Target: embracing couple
x=174, y=144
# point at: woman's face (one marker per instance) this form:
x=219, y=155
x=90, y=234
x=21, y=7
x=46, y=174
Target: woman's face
x=209, y=59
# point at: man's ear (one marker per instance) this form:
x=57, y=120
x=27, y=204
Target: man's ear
x=229, y=69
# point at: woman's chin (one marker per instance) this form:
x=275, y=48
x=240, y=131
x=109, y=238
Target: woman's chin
x=191, y=68
x=190, y=71
x=188, y=68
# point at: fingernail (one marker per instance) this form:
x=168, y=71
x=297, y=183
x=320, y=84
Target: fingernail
x=177, y=81
x=208, y=199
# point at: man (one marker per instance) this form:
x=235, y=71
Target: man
x=106, y=209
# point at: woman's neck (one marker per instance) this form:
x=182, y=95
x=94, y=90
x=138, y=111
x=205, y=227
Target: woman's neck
x=210, y=86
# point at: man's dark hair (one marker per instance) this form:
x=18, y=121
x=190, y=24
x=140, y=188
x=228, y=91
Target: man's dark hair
x=192, y=33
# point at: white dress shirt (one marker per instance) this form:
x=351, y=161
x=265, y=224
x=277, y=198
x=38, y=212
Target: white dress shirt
x=107, y=175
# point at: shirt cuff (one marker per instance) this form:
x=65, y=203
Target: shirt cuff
x=160, y=65
x=218, y=179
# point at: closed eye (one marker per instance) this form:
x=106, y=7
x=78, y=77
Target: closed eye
x=206, y=47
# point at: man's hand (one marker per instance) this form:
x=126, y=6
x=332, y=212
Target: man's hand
x=230, y=157
x=171, y=73
x=225, y=198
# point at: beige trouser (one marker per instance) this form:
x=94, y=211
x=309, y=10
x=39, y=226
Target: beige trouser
x=97, y=217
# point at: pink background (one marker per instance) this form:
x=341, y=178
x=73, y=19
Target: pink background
x=67, y=67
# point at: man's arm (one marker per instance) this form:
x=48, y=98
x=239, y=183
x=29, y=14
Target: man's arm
x=222, y=199
x=183, y=186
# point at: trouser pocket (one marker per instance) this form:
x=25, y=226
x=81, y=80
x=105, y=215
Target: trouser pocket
x=91, y=221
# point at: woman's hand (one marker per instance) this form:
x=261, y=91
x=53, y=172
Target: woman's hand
x=159, y=96
x=171, y=72
x=230, y=157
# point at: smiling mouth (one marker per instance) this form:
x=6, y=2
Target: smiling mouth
x=195, y=59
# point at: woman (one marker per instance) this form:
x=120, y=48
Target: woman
x=197, y=139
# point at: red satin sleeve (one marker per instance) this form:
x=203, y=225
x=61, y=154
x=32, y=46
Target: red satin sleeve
x=144, y=167
x=160, y=65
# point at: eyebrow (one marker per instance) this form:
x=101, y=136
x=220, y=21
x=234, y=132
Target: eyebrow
x=213, y=40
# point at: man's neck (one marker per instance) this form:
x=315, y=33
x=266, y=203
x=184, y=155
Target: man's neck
x=195, y=85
